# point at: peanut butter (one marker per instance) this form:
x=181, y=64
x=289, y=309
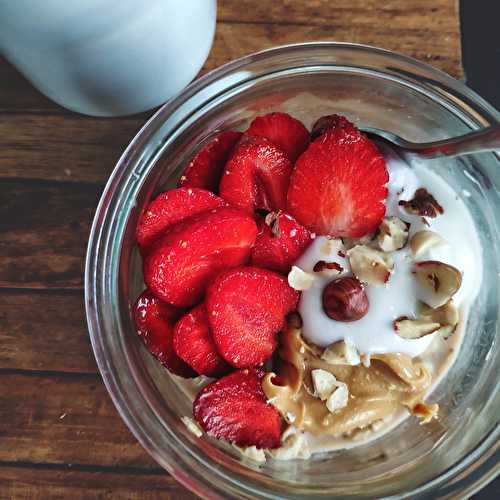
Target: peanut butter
x=377, y=391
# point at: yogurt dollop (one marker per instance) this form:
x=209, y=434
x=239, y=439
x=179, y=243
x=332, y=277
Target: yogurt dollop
x=400, y=296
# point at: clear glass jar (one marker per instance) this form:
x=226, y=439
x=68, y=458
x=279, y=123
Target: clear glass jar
x=453, y=456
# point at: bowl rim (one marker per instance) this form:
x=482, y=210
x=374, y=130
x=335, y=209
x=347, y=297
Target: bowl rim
x=489, y=468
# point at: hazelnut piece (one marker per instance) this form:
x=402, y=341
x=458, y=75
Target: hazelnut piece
x=414, y=328
x=369, y=265
x=344, y=299
x=447, y=316
x=324, y=383
x=299, y=279
x=438, y=282
x=423, y=204
x=328, y=268
x=338, y=399
x=343, y=352
x=423, y=241
x=392, y=234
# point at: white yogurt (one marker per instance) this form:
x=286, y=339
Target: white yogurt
x=400, y=296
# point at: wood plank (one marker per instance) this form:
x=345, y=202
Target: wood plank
x=44, y=330
x=72, y=148
x=439, y=46
x=414, y=27
x=64, y=420
x=44, y=230
x=41, y=484
x=412, y=14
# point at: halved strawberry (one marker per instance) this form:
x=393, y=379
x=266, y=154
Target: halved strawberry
x=281, y=240
x=338, y=187
x=189, y=255
x=235, y=408
x=155, y=325
x=246, y=309
x=329, y=122
x=171, y=207
x=284, y=131
x=256, y=176
x=205, y=169
x=194, y=344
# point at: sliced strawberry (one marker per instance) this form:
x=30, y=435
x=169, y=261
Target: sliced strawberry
x=194, y=344
x=246, y=309
x=338, y=186
x=188, y=256
x=284, y=131
x=234, y=408
x=329, y=122
x=205, y=169
x=155, y=325
x=256, y=176
x=171, y=207
x=281, y=240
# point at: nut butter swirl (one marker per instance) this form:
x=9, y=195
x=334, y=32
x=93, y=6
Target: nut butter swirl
x=390, y=382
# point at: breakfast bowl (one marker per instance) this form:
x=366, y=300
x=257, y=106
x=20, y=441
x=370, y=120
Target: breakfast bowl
x=455, y=454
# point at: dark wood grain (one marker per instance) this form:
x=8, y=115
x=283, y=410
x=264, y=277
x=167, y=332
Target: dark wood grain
x=60, y=435
x=44, y=228
x=64, y=419
x=44, y=330
x=434, y=45
x=372, y=14
x=54, y=484
x=69, y=148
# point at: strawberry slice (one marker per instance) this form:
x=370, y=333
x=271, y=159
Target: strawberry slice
x=329, y=122
x=246, y=309
x=234, y=408
x=281, y=240
x=205, y=169
x=155, y=325
x=171, y=207
x=194, y=344
x=284, y=131
x=256, y=176
x=338, y=187
x=183, y=261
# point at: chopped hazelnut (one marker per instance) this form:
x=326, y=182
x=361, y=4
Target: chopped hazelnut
x=299, y=279
x=411, y=329
x=392, y=234
x=343, y=352
x=369, y=265
x=423, y=204
x=338, y=399
x=331, y=268
x=438, y=282
x=446, y=315
x=423, y=241
x=324, y=383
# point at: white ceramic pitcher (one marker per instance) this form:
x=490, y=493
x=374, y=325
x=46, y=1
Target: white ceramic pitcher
x=107, y=57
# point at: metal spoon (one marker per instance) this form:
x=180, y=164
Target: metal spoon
x=486, y=139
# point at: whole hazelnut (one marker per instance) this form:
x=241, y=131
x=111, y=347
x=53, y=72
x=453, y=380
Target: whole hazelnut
x=344, y=299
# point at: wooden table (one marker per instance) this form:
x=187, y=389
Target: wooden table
x=60, y=435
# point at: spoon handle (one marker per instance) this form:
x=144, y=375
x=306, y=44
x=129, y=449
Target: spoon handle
x=486, y=139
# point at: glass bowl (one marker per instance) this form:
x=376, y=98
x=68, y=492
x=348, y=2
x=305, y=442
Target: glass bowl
x=453, y=456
